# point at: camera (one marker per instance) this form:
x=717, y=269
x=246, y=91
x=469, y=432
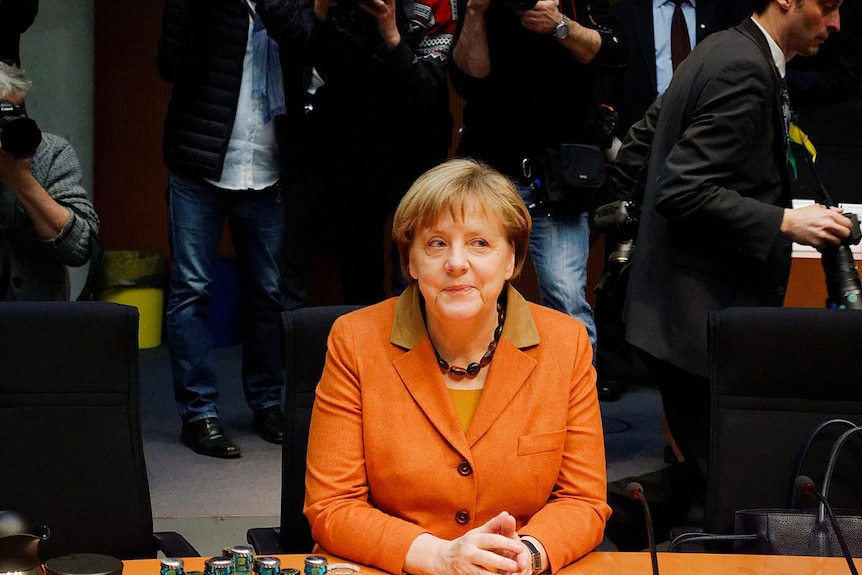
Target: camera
x=843, y=286
x=619, y=216
x=602, y=125
x=19, y=135
x=620, y=219
x=519, y=5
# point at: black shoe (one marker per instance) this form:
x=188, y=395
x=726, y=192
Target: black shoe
x=206, y=436
x=609, y=390
x=269, y=423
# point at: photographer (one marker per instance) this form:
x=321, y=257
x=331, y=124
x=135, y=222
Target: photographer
x=654, y=52
x=47, y=221
x=379, y=121
x=716, y=223
x=531, y=74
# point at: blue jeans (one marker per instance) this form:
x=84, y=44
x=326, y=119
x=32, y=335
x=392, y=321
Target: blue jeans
x=559, y=248
x=197, y=212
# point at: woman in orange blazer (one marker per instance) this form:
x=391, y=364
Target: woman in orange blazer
x=421, y=466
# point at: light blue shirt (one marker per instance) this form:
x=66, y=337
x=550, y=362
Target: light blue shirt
x=662, y=14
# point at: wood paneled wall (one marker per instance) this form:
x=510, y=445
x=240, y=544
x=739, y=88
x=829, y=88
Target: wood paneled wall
x=130, y=103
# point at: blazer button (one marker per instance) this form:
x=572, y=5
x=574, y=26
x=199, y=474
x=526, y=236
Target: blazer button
x=462, y=517
x=464, y=468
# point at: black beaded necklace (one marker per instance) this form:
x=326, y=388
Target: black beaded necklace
x=473, y=368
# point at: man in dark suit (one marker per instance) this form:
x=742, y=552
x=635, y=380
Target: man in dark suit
x=636, y=17
x=717, y=223
x=647, y=28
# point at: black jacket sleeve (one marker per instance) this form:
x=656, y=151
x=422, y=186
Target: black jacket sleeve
x=18, y=14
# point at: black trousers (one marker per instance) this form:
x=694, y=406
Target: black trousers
x=686, y=401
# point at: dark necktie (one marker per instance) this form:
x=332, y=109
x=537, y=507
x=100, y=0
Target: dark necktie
x=680, y=46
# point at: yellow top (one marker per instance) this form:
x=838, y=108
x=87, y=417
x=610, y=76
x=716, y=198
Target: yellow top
x=465, y=402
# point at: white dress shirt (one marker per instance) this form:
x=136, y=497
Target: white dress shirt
x=251, y=162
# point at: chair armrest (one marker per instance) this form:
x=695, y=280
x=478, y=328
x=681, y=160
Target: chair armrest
x=265, y=540
x=606, y=545
x=173, y=544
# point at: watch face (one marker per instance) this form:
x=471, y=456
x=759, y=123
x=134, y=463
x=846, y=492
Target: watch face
x=562, y=29
x=535, y=556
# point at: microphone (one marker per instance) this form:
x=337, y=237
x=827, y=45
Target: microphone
x=636, y=491
x=805, y=484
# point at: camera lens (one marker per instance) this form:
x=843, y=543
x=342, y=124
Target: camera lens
x=622, y=252
x=843, y=286
x=20, y=137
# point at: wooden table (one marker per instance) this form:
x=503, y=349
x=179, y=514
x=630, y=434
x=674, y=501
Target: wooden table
x=614, y=564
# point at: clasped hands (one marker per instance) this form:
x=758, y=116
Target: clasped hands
x=383, y=11
x=541, y=18
x=491, y=548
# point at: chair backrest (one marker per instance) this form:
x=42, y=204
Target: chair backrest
x=775, y=374
x=70, y=436
x=305, y=334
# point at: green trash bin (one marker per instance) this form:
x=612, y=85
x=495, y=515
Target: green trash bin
x=138, y=279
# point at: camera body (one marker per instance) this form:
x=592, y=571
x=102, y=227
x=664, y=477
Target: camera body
x=618, y=216
x=19, y=135
x=843, y=286
x=620, y=220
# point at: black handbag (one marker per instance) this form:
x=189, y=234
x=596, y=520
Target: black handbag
x=804, y=531
x=791, y=531
x=797, y=532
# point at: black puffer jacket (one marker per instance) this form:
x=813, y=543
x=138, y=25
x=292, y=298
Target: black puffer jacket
x=201, y=53
x=15, y=17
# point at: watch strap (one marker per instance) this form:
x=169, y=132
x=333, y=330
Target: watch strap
x=534, y=554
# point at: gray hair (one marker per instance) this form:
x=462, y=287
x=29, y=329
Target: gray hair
x=13, y=81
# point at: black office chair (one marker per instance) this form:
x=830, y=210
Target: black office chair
x=305, y=334
x=775, y=374
x=71, y=445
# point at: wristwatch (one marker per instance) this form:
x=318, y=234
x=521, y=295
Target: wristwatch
x=535, y=556
x=561, y=30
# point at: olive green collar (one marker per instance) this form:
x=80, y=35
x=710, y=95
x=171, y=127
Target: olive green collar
x=409, y=327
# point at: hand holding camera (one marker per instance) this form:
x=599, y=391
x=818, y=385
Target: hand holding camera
x=383, y=12
x=540, y=17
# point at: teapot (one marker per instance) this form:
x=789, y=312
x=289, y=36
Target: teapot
x=19, y=549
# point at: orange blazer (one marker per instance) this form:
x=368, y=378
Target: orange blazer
x=388, y=461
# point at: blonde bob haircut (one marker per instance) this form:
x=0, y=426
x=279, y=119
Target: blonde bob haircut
x=457, y=185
